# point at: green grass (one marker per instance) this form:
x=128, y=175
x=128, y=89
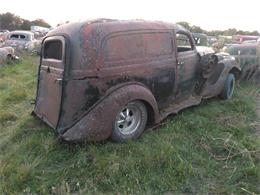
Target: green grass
x=208, y=149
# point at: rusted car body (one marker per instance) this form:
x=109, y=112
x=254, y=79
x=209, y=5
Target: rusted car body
x=243, y=38
x=248, y=55
x=94, y=74
x=200, y=39
x=7, y=53
x=21, y=41
x=3, y=35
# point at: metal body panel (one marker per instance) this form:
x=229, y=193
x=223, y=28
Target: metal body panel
x=100, y=77
x=248, y=56
x=50, y=87
x=97, y=124
x=187, y=70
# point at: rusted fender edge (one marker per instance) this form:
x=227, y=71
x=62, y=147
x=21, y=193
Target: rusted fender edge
x=97, y=125
x=215, y=83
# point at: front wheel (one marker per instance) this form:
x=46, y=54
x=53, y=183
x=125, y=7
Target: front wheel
x=228, y=87
x=130, y=122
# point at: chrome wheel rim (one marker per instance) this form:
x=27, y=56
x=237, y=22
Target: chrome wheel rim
x=128, y=120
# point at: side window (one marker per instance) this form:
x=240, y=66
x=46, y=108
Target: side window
x=183, y=43
x=22, y=37
x=137, y=46
x=52, y=50
x=14, y=36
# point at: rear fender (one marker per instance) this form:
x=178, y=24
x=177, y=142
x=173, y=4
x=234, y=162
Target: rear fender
x=98, y=123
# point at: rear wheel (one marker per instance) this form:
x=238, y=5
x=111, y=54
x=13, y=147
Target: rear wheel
x=130, y=122
x=228, y=87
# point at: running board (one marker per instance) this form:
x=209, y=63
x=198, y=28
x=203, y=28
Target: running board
x=176, y=107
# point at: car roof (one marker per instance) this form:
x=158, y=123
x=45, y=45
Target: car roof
x=244, y=45
x=111, y=25
x=24, y=32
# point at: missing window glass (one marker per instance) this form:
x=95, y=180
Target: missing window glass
x=53, y=50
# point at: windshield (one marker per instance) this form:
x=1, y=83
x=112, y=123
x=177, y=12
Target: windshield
x=18, y=37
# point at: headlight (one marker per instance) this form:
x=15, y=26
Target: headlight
x=27, y=46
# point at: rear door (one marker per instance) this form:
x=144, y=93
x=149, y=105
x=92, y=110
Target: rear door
x=50, y=79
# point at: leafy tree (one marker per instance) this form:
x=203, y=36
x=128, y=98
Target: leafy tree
x=197, y=29
x=40, y=22
x=185, y=25
x=11, y=22
x=228, y=32
x=26, y=25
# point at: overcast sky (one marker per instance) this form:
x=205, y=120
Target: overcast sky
x=217, y=14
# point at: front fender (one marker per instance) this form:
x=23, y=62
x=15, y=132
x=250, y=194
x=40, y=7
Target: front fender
x=98, y=124
x=215, y=82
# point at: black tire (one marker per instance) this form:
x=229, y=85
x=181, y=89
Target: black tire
x=130, y=122
x=229, y=86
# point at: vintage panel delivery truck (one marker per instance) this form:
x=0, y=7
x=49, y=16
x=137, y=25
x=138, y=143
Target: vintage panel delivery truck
x=108, y=78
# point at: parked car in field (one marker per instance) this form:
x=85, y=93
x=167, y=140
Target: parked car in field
x=7, y=53
x=3, y=34
x=212, y=40
x=200, y=39
x=108, y=78
x=21, y=40
x=242, y=38
x=248, y=55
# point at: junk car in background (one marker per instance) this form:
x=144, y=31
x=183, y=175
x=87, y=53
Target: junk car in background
x=21, y=41
x=7, y=53
x=212, y=40
x=200, y=39
x=109, y=78
x=3, y=35
x=248, y=55
x=244, y=38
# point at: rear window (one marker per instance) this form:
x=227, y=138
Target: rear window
x=14, y=36
x=53, y=50
x=137, y=46
x=18, y=36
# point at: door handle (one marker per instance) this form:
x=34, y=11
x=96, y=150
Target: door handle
x=180, y=63
x=59, y=80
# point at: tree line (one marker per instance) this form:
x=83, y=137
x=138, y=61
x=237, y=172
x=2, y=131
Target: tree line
x=11, y=22
x=228, y=32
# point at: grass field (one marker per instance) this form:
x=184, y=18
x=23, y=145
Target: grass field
x=209, y=149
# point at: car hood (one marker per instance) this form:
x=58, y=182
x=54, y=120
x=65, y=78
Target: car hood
x=203, y=50
x=15, y=43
